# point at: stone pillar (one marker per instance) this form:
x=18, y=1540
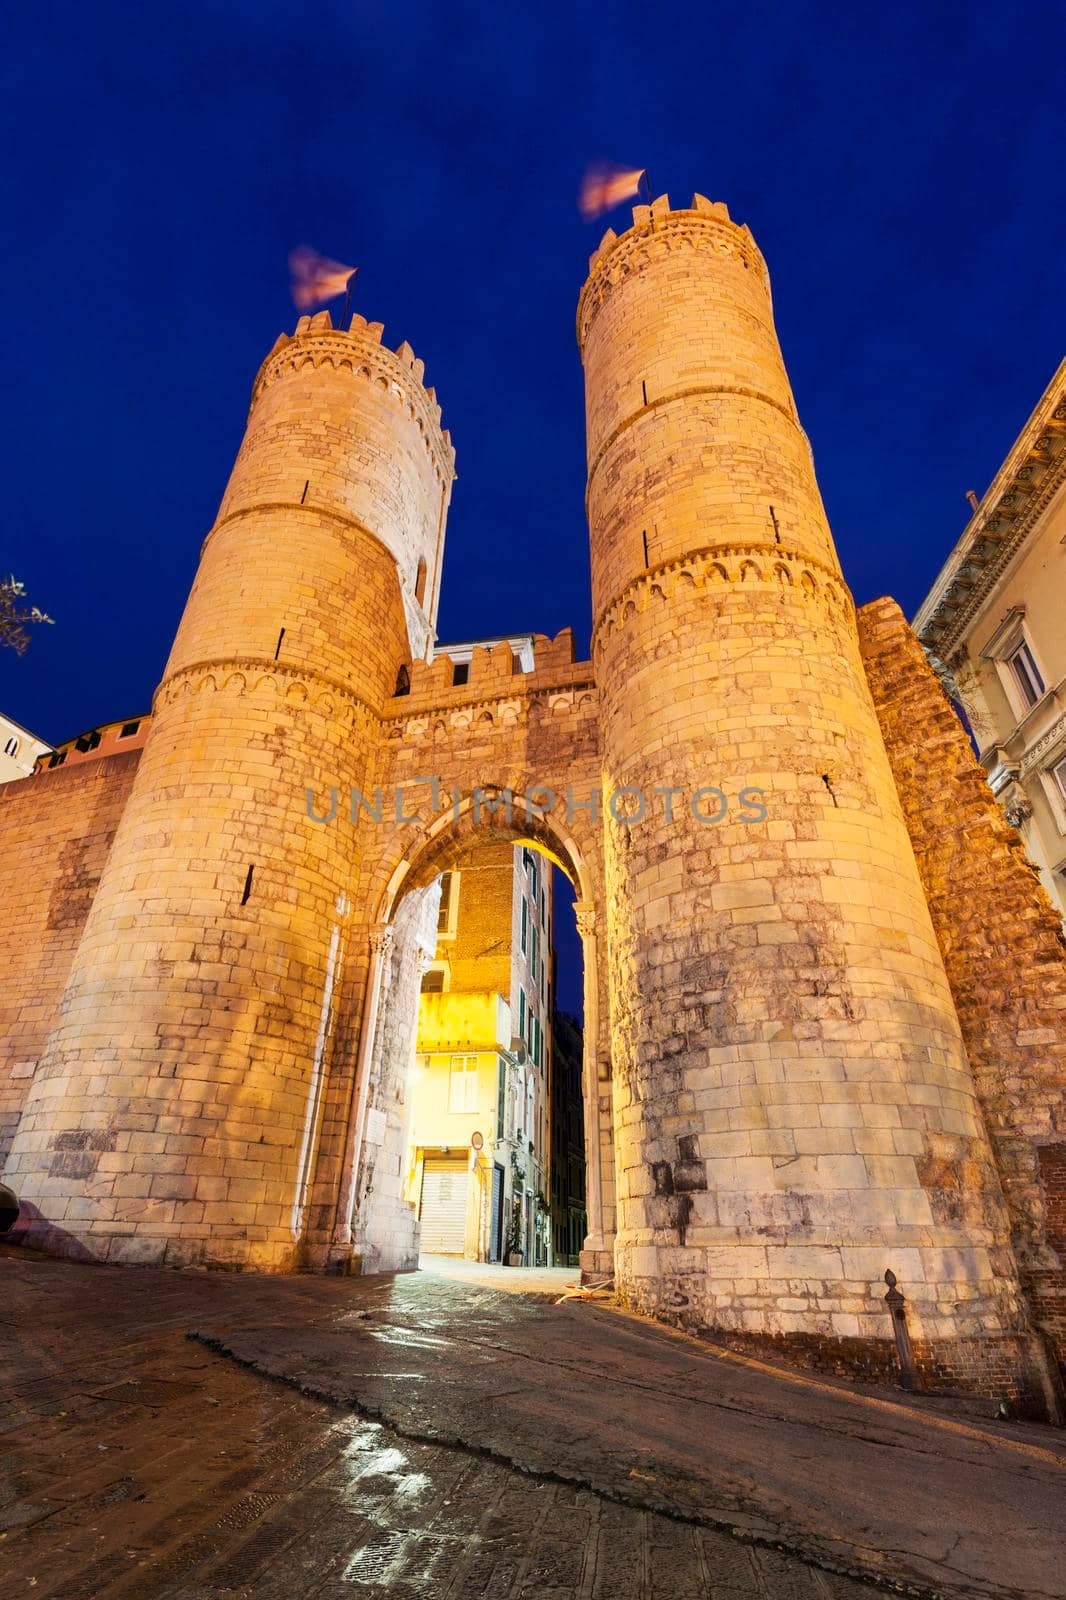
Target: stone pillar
x=177, y=1109
x=788, y=1069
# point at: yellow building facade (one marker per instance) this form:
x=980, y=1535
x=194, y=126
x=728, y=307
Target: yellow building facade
x=478, y=1165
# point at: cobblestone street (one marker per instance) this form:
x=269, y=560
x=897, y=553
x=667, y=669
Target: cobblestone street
x=139, y=1462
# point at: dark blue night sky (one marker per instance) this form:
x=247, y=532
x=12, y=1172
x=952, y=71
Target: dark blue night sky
x=902, y=169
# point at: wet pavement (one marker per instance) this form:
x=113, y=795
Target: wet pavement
x=429, y=1435
x=508, y=1280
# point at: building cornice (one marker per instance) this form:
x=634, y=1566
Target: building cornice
x=1024, y=486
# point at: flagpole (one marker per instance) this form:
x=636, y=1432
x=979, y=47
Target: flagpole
x=348, y=296
x=645, y=181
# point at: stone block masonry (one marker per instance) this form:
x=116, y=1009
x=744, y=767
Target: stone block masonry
x=785, y=1049
x=56, y=830
x=1003, y=949
x=193, y=1037
x=819, y=1043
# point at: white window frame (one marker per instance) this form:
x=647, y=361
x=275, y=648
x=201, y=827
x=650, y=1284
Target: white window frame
x=463, y=1084
x=1010, y=639
x=1057, y=773
x=1028, y=678
x=445, y=969
x=1053, y=778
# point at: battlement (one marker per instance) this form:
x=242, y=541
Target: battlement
x=648, y=216
x=492, y=674
x=658, y=228
x=359, y=349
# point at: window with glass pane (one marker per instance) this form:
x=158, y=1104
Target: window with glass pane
x=1026, y=674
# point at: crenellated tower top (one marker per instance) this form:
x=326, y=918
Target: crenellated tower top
x=359, y=350
x=657, y=230
x=692, y=435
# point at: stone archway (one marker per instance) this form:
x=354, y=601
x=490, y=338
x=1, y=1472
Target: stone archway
x=438, y=846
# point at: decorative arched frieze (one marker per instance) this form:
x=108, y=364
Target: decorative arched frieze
x=718, y=564
x=245, y=677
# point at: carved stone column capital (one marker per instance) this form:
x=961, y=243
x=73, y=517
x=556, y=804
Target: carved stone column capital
x=585, y=913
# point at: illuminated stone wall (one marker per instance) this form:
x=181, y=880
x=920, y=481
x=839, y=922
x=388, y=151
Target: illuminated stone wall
x=385, y=1226
x=1003, y=948
x=56, y=830
x=198, y=1017
x=777, y=1097
x=785, y=1050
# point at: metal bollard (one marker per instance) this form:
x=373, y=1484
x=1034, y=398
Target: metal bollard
x=897, y=1305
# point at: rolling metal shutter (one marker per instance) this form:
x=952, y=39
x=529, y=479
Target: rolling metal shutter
x=443, y=1209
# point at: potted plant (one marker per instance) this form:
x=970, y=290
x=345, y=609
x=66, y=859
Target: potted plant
x=514, y=1235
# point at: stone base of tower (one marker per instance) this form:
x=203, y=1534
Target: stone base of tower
x=967, y=1334
x=1010, y=1368
x=145, y=1248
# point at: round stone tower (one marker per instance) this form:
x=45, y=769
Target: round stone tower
x=176, y=1111
x=794, y=1112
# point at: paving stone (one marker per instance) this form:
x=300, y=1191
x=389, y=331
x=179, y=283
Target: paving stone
x=177, y=1474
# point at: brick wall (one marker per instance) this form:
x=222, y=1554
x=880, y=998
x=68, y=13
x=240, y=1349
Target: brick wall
x=479, y=955
x=1002, y=942
x=56, y=829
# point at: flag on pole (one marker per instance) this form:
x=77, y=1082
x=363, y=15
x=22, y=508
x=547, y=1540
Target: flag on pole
x=605, y=187
x=315, y=278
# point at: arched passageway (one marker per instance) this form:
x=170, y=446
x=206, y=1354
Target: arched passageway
x=476, y=1056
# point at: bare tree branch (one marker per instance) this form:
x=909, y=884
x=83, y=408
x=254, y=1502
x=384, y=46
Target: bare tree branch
x=16, y=619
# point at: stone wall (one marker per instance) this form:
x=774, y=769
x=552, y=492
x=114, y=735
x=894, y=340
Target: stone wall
x=500, y=729
x=1003, y=949
x=385, y=1228
x=787, y=1060
x=778, y=1101
x=479, y=953
x=198, y=1022
x=56, y=829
